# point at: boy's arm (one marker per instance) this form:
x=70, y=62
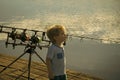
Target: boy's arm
x=50, y=73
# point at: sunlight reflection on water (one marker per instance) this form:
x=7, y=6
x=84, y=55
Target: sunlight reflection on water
x=101, y=26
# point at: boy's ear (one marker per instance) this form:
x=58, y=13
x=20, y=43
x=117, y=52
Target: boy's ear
x=54, y=37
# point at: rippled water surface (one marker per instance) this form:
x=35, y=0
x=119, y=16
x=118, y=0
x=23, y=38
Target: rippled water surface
x=99, y=19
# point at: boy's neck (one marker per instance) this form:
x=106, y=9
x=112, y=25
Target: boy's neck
x=59, y=44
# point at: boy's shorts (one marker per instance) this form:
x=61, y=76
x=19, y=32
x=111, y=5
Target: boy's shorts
x=61, y=77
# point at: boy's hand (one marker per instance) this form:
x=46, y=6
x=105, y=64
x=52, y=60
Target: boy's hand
x=51, y=76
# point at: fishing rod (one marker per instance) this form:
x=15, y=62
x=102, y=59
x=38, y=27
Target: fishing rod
x=81, y=37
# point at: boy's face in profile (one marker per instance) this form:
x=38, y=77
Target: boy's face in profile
x=61, y=37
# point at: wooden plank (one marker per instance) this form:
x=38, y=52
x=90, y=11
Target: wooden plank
x=38, y=70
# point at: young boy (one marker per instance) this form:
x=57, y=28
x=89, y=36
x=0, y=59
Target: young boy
x=55, y=59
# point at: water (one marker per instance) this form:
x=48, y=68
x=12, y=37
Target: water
x=90, y=18
x=91, y=57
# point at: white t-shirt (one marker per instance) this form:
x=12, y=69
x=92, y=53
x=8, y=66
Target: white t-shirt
x=58, y=60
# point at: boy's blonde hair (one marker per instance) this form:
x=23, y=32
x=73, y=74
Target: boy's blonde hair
x=54, y=31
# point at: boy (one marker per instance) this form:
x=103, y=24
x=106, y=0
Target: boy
x=55, y=59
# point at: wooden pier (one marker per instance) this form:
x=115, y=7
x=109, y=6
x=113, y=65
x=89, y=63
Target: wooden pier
x=38, y=70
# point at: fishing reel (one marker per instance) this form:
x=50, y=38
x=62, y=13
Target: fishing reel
x=15, y=35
